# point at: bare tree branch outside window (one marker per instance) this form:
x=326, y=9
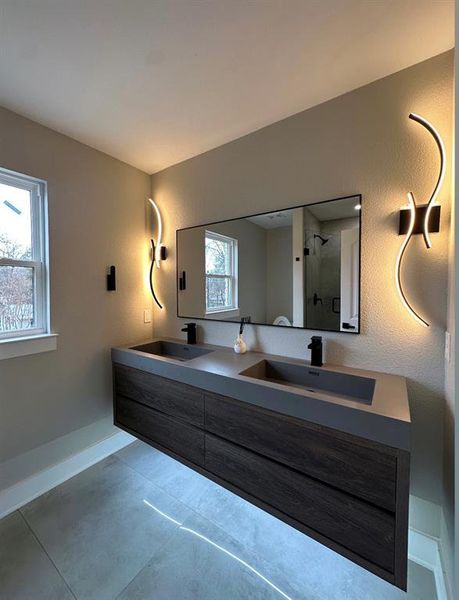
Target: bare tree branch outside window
x=16, y=288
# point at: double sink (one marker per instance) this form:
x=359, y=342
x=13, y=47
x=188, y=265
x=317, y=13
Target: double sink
x=342, y=386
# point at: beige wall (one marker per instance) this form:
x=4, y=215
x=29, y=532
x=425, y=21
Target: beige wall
x=279, y=273
x=191, y=248
x=96, y=218
x=362, y=142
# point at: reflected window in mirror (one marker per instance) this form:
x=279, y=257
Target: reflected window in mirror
x=221, y=273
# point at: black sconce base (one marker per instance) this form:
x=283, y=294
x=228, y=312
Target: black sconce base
x=111, y=279
x=434, y=219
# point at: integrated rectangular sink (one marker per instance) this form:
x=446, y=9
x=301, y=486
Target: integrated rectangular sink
x=182, y=352
x=310, y=379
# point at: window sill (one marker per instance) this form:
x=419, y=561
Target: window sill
x=24, y=346
x=228, y=312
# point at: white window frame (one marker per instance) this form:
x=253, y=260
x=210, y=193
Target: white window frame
x=40, y=256
x=233, y=276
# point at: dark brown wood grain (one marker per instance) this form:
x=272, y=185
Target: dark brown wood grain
x=169, y=432
x=365, y=469
x=171, y=397
x=366, y=529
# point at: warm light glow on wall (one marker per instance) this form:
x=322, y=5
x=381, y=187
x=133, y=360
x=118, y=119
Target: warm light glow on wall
x=398, y=264
x=158, y=252
x=441, y=175
x=426, y=220
x=160, y=233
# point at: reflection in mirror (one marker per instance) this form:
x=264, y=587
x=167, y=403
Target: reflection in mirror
x=298, y=267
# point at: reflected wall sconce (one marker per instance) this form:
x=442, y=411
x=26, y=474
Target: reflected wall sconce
x=423, y=219
x=158, y=251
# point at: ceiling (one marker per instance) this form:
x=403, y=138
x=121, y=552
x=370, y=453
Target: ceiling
x=154, y=82
x=274, y=220
x=341, y=208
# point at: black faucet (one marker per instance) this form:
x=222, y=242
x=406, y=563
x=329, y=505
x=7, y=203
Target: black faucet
x=190, y=329
x=316, y=351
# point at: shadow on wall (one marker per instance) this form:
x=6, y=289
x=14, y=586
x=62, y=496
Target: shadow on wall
x=426, y=407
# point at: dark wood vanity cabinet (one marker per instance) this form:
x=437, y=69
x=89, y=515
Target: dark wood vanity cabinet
x=165, y=395
x=349, y=493
x=162, y=429
x=362, y=468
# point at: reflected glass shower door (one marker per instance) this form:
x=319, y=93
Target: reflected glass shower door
x=322, y=280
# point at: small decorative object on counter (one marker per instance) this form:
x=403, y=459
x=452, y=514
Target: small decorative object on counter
x=240, y=347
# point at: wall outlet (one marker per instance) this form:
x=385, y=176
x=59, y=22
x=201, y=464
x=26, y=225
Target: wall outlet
x=147, y=315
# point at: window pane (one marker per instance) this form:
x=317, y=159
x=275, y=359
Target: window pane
x=15, y=223
x=218, y=292
x=218, y=256
x=16, y=298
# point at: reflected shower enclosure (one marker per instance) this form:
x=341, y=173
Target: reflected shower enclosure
x=331, y=265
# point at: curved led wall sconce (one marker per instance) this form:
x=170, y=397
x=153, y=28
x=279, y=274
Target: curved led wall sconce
x=441, y=175
x=398, y=264
x=420, y=219
x=158, y=252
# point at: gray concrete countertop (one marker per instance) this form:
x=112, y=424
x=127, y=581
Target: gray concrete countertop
x=386, y=420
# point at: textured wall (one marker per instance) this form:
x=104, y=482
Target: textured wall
x=96, y=218
x=362, y=142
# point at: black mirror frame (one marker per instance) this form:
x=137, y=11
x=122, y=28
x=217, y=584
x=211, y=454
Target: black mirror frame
x=179, y=278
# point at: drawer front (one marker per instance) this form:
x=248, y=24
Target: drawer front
x=338, y=459
x=183, y=439
x=171, y=397
x=360, y=527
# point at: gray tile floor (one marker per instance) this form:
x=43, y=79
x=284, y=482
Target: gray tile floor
x=139, y=525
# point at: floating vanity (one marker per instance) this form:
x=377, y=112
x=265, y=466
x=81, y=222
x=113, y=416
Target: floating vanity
x=324, y=449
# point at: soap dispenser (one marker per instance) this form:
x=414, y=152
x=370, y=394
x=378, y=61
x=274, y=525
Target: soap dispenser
x=240, y=347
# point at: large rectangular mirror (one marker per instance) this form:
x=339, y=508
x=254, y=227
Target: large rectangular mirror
x=296, y=267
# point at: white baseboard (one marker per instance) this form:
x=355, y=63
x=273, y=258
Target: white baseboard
x=426, y=551
x=30, y=488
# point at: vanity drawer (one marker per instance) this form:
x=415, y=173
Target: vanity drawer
x=183, y=439
x=360, y=467
x=359, y=527
x=171, y=397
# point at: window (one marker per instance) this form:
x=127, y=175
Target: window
x=23, y=257
x=221, y=273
